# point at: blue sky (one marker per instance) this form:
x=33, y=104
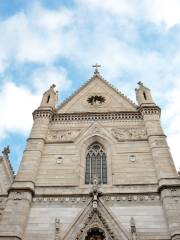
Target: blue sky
x=44, y=42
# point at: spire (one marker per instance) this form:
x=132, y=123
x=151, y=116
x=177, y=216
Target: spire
x=49, y=98
x=143, y=95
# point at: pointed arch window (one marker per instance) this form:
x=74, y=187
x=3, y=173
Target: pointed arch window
x=96, y=164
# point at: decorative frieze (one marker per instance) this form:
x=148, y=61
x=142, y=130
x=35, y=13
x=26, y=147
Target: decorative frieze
x=42, y=114
x=63, y=199
x=150, y=110
x=131, y=198
x=107, y=198
x=62, y=135
x=122, y=134
x=97, y=116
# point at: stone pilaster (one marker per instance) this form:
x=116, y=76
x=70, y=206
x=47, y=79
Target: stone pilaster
x=157, y=140
x=15, y=215
x=165, y=170
x=171, y=204
x=32, y=154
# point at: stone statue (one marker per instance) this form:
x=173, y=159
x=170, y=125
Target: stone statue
x=6, y=152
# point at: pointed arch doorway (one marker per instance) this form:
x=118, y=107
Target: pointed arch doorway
x=95, y=234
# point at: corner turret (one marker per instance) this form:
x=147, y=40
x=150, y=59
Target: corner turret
x=143, y=95
x=49, y=98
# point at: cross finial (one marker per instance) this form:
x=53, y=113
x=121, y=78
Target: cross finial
x=96, y=66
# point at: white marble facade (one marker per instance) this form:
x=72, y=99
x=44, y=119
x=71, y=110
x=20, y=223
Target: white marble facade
x=49, y=197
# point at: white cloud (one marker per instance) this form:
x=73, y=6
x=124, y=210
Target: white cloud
x=48, y=75
x=33, y=36
x=171, y=119
x=17, y=104
x=163, y=12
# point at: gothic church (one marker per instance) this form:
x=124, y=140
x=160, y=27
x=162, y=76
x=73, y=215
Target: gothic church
x=97, y=167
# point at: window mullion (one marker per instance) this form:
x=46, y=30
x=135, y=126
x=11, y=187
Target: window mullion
x=90, y=169
x=101, y=170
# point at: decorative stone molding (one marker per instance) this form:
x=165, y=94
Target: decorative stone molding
x=64, y=199
x=62, y=135
x=150, y=110
x=42, y=114
x=132, y=198
x=136, y=116
x=122, y=134
x=107, y=198
x=20, y=195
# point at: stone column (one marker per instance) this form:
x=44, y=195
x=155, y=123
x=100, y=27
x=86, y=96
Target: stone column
x=171, y=204
x=14, y=216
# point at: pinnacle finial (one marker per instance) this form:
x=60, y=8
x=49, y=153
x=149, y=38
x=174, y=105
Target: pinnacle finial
x=53, y=86
x=140, y=83
x=6, y=152
x=96, y=66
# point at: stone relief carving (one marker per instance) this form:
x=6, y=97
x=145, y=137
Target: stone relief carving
x=62, y=135
x=160, y=142
x=132, y=158
x=17, y=196
x=129, y=133
x=133, y=229
x=57, y=228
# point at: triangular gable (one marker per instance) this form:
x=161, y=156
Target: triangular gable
x=102, y=218
x=97, y=95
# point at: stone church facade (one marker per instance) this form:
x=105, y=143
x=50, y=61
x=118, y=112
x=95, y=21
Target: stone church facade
x=97, y=167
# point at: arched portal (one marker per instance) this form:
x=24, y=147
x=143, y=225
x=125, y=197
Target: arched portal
x=96, y=164
x=95, y=234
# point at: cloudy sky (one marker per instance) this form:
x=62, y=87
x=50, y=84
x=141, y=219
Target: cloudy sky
x=44, y=42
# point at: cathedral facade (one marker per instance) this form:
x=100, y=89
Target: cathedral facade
x=97, y=167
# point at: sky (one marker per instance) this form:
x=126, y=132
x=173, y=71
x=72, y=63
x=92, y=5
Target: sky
x=44, y=42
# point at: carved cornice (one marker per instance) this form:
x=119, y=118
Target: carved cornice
x=150, y=110
x=96, y=116
x=104, y=116
x=39, y=113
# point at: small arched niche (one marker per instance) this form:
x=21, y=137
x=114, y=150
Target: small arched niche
x=96, y=164
x=95, y=234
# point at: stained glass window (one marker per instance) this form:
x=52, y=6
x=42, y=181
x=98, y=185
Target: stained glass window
x=96, y=164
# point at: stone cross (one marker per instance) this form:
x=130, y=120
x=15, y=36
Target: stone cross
x=96, y=66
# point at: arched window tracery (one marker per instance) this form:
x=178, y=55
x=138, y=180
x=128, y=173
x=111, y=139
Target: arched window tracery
x=96, y=164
